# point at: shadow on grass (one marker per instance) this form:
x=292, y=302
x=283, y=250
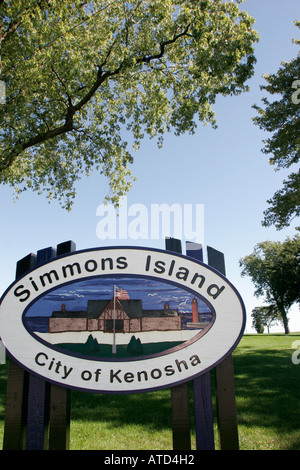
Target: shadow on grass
x=150, y=409
x=267, y=387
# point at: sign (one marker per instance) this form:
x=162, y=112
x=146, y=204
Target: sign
x=121, y=320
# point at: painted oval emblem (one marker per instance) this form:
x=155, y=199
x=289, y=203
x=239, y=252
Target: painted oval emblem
x=121, y=320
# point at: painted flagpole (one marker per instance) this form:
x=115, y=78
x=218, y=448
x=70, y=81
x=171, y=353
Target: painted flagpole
x=114, y=348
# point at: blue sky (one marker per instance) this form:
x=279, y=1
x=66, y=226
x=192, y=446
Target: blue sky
x=222, y=169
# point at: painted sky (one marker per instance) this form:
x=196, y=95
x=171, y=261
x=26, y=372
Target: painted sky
x=154, y=295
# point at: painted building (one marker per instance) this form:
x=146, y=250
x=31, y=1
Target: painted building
x=130, y=317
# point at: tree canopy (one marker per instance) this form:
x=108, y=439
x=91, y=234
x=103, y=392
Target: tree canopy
x=84, y=77
x=281, y=117
x=264, y=316
x=274, y=268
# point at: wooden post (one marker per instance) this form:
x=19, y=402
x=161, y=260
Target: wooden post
x=32, y=404
x=60, y=398
x=16, y=408
x=37, y=414
x=180, y=393
x=226, y=404
x=60, y=407
x=204, y=423
x=17, y=387
x=39, y=392
x=203, y=410
x=181, y=417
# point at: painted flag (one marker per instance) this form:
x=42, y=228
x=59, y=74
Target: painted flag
x=122, y=294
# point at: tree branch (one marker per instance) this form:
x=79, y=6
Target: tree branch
x=163, y=46
x=72, y=109
x=64, y=86
x=63, y=129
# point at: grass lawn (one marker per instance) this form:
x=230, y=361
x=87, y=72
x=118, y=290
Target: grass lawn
x=267, y=394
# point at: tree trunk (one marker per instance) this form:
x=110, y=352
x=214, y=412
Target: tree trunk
x=285, y=320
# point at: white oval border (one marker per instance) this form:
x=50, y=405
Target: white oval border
x=212, y=348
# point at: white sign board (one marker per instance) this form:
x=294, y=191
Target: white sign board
x=121, y=320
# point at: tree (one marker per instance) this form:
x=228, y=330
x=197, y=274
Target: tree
x=257, y=324
x=281, y=117
x=264, y=317
x=135, y=346
x=84, y=76
x=275, y=271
